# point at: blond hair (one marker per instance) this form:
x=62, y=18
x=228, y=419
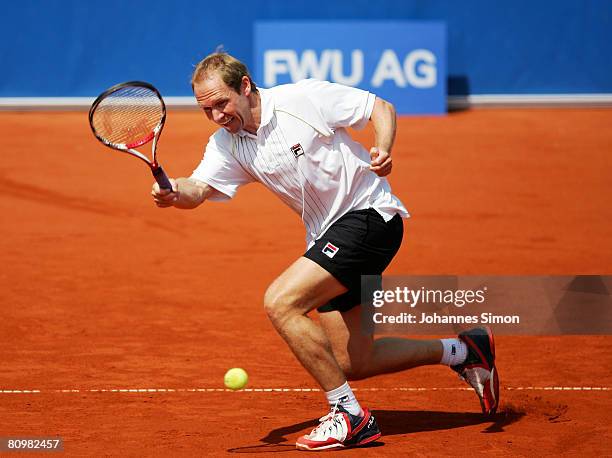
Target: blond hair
x=230, y=69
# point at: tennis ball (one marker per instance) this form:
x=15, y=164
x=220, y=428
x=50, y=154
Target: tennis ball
x=236, y=378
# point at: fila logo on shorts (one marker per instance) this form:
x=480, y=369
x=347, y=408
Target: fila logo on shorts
x=297, y=150
x=330, y=250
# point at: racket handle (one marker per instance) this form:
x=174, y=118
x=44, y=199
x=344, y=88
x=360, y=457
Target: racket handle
x=161, y=178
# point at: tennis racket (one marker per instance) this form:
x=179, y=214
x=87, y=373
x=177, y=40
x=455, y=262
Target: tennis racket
x=129, y=115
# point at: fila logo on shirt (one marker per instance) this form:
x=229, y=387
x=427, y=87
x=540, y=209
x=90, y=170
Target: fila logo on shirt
x=297, y=150
x=330, y=250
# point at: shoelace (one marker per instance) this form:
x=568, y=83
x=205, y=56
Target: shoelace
x=324, y=421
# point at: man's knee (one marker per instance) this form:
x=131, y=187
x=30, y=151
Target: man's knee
x=279, y=304
x=353, y=367
x=347, y=367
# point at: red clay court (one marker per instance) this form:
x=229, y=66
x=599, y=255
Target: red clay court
x=119, y=319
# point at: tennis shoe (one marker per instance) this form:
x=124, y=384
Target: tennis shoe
x=340, y=429
x=478, y=370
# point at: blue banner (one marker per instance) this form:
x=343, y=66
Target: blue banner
x=403, y=62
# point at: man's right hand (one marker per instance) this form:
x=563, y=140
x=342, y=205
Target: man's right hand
x=165, y=197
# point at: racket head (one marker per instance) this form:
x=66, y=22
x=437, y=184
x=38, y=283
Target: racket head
x=128, y=115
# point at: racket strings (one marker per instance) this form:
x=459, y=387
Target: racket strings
x=128, y=116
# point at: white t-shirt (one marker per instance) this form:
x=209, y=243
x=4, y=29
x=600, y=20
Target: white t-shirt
x=303, y=154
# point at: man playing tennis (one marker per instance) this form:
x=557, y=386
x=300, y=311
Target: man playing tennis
x=293, y=140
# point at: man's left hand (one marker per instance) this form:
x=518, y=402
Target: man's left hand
x=381, y=162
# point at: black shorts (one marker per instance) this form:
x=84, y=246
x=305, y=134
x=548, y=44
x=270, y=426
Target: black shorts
x=359, y=243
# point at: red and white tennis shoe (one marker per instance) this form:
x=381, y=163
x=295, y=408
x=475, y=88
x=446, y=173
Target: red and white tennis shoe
x=478, y=370
x=340, y=429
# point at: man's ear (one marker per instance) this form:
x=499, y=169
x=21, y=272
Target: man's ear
x=245, y=86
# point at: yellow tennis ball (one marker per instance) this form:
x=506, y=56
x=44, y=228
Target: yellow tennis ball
x=236, y=378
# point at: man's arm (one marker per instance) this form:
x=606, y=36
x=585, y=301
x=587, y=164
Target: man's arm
x=384, y=120
x=186, y=193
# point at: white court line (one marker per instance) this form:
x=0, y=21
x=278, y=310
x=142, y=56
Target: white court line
x=294, y=390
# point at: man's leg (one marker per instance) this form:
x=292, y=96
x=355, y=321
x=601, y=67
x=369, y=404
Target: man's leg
x=360, y=356
x=301, y=288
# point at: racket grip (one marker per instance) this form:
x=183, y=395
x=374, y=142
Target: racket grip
x=161, y=178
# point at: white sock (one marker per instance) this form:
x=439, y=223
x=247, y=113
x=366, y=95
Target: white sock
x=343, y=395
x=455, y=352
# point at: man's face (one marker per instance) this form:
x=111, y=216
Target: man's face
x=222, y=104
